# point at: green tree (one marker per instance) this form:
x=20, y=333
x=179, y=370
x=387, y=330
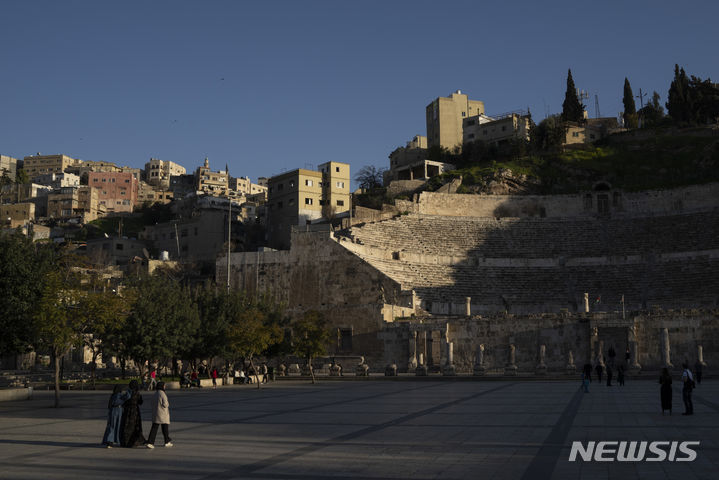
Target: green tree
x=548, y=136
x=162, y=321
x=704, y=99
x=310, y=337
x=678, y=102
x=210, y=338
x=572, y=108
x=253, y=329
x=99, y=312
x=653, y=112
x=369, y=177
x=23, y=266
x=630, y=109
x=21, y=176
x=58, y=325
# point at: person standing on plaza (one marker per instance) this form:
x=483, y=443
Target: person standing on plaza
x=611, y=354
x=153, y=379
x=609, y=375
x=599, y=368
x=114, y=417
x=160, y=417
x=131, y=430
x=214, y=377
x=620, y=375
x=687, y=387
x=665, y=391
x=627, y=357
x=588, y=372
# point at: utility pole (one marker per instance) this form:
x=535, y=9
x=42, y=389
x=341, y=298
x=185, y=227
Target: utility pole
x=641, y=105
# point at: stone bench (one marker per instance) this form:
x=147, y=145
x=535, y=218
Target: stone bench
x=13, y=394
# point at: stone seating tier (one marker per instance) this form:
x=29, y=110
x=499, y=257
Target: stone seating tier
x=540, y=238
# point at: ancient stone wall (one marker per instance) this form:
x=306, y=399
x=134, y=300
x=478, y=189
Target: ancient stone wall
x=609, y=202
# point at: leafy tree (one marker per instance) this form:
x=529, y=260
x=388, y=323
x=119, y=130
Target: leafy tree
x=57, y=322
x=630, y=109
x=704, y=99
x=23, y=265
x=572, y=108
x=653, y=112
x=369, y=177
x=253, y=329
x=99, y=313
x=678, y=103
x=310, y=337
x=210, y=338
x=5, y=178
x=549, y=135
x=162, y=322
x=21, y=176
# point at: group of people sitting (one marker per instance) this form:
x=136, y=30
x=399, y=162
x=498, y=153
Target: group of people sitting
x=124, y=421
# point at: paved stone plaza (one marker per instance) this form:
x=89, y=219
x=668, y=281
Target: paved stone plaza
x=402, y=429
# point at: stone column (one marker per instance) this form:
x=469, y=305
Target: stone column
x=541, y=367
x=600, y=353
x=586, y=303
x=700, y=356
x=449, y=368
x=593, y=339
x=412, y=363
x=666, y=349
x=511, y=368
x=421, y=370
x=468, y=306
x=571, y=368
x=429, y=348
x=443, y=339
x=479, y=368
x=635, y=367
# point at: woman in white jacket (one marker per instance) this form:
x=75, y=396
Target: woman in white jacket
x=160, y=416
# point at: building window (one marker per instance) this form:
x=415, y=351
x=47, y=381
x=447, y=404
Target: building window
x=504, y=128
x=183, y=232
x=340, y=184
x=337, y=169
x=471, y=135
x=95, y=180
x=588, y=201
x=340, y=203
x=127, y=181
x=575, y=134
x=290, y=202
x=308, y=183
x=308, y=201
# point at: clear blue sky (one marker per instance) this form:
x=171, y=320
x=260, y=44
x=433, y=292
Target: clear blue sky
x=275, y=85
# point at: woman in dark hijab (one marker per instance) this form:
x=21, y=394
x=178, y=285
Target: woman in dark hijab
x=114, y=417
x=131, y=431
x=666, y=390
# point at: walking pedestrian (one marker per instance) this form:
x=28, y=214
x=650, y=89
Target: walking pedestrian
x=160, y=417
x=687, y=387
x=620, y=375
x=599, y=369
x=588, y=372
x=131, y=424
x=698, y=372
x=609, y=375
x=214, y=377
x=585, y=382
x=114, y=417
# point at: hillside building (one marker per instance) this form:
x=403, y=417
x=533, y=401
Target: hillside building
x=70, y=202
x=444, y=119
x=158, y=172
x=496, y=130
x=8, y=166
x=301, y=197
x=35, y=165
x=207, y=181
x=117, y=191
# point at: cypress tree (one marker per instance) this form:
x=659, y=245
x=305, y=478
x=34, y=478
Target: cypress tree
x=572, y=109
x=630, y=108
x=678, y=105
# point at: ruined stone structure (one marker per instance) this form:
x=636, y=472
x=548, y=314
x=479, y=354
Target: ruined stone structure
x=511, y=284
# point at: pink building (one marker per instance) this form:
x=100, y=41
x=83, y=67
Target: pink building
x=117, y=191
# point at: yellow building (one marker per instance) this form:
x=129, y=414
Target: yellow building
x=207, y=181
x=158, y=172
x=152, y=194
x=75, y=201
x=39, y=164
x=445, y=116
x=300, y=197
x=496, y=130
x=17, y=214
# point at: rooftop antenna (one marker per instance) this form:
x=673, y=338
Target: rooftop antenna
x=596, y=106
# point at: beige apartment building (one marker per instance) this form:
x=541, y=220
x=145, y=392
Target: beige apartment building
x=212, y=183
x=8, y=166
x=75, y=201
x=153, y=194
x=244, y=186
x=444, y=119
x=302, y=196
x=17, y=214
x=158, y=172
x=496, y=130
x=117, y=191
x=35, y=165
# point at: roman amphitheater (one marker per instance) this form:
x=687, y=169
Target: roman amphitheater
x=510, y=285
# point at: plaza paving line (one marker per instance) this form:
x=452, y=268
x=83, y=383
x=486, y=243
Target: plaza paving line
x=546, y=459
x=245, y=470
